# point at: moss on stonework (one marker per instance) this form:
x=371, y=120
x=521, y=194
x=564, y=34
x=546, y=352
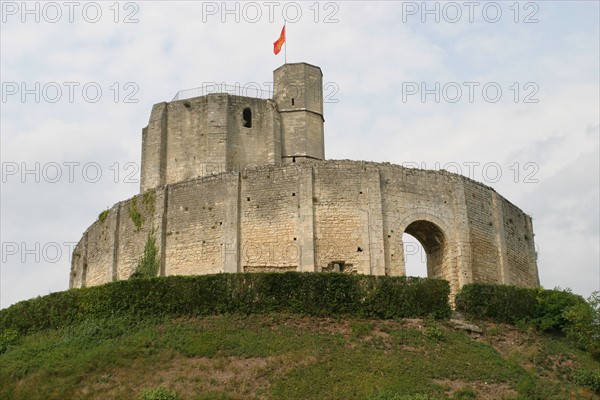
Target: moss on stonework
x=135, y=215
x=102, y=216
x=149, y=198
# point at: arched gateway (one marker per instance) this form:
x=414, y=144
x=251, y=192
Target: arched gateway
x=435, y=245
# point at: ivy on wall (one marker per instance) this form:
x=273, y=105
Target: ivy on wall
x=148, y=200
x=149, y=264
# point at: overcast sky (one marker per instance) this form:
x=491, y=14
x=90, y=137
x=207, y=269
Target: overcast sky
x=506, y=93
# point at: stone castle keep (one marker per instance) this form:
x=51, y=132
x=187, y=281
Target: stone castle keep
x=241, y=184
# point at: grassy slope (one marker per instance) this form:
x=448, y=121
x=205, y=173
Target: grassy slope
x=289, y=357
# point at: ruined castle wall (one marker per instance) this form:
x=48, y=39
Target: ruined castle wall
x=270, y=219
x=206, y=135
x=502, y=239
x=316, y=217
x=100, y=253
x=341, y=224
x=78, y=265
x=196, y=137
x=255, y=145
x=520, y=249
x=132, y=237
x=154, y=138
x=485, y=233
x=420, y=203
x=196, y=222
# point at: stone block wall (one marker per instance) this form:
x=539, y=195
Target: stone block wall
x=219, y=132
x=344, y=216
x=269, y=230
x=198, y=221
x=208, y=135
x=111, y=247
x=131, y=239
x=100, y=249
x=519, y=247
x=484, y=229
x=341, y=212
x=298, y=92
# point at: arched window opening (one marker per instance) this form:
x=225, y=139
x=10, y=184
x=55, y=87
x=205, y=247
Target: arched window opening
x=247, y=116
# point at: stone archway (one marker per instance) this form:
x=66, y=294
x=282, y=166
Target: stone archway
x=434, y=243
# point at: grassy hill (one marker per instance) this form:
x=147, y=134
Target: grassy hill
x=279, y=355
x=290, y=357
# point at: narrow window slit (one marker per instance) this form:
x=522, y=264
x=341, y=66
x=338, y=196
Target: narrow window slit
x=247, y=116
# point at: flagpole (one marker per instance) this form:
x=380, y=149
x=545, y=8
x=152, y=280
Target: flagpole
x=285, y=42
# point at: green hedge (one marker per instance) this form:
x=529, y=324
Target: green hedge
x=318, y=294
x=499, y=303
x=543, y=309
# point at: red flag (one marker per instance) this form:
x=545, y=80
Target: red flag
x=279, y=42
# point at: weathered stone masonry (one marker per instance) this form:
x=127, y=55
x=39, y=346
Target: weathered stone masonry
x=221, y=196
